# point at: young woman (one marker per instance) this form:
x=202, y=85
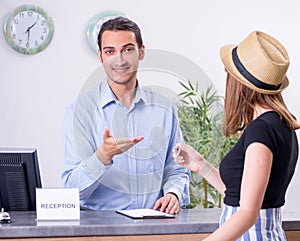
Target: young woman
x=255, y=174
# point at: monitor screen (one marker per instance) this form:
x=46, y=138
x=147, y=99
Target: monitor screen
x=19, y=177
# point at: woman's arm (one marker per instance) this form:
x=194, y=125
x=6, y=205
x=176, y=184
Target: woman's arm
x=257, y=168
x=188, y=157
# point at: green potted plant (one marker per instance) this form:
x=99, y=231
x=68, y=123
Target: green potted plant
x=201, y=116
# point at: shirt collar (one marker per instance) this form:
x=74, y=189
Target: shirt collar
x=141, y=94
x=107, y=96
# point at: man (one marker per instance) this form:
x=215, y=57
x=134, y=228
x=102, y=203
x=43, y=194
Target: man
x=130, y=166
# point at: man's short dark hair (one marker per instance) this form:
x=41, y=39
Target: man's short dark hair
x=121, y=24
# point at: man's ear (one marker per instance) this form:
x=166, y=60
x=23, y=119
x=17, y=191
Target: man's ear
x=100, y=56
x=142, y=52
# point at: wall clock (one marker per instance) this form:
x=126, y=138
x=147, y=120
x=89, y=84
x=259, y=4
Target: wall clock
x=28, y=29
x=94, y=26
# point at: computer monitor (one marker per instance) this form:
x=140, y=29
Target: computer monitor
x=19, y=177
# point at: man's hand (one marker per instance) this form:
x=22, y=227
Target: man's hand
x=168, y=204
x=112, y=146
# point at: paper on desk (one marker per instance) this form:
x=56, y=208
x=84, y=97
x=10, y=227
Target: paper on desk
x=145, y=213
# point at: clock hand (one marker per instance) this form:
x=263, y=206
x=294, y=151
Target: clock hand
x=32, y=25
x=28, y=37
x=28, y=29
x=28, y=33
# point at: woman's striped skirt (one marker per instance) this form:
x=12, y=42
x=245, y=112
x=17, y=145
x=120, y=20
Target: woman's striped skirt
x=267, y=228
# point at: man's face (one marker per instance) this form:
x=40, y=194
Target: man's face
x=120, y=56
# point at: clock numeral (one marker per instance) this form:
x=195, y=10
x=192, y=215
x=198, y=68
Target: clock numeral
x=14, y=36
x=38, y=17
x=27, y=45
x=21, y=15
x=43, y=22
x=15, y=21
x=30, y=14
x=44, y=30
x=20, y=41
x=42, y=37
x=36, y=43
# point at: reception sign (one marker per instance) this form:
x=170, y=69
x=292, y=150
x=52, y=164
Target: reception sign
x=57, y=204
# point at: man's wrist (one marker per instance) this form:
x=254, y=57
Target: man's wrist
x=106, y=161
x=173, y=194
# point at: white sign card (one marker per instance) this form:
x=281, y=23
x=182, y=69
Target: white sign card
x=57, y=204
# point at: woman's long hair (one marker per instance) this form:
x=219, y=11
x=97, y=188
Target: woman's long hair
x=240, y=102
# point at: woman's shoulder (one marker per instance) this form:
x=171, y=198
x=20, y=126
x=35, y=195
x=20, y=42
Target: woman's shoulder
x=268, y=118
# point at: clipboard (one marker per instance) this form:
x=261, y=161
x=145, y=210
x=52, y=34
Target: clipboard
x=144, y=214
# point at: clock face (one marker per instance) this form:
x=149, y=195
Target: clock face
x=28, y=29
x=95, y=24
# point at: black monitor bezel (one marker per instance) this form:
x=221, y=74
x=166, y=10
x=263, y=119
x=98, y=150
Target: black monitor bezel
x=32, y=180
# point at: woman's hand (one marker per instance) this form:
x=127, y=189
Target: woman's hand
x=187, y=156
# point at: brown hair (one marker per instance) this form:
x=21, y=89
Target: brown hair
x=239, y=106
x=121, y=24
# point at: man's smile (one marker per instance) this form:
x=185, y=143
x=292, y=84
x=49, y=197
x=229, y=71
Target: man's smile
x=121, y=70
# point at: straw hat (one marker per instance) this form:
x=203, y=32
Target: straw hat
x=259, y=62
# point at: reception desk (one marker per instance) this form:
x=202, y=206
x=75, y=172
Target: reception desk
x=189, y=224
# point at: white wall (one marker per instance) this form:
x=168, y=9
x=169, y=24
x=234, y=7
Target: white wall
x=35, y=89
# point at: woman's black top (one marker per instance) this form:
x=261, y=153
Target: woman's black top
x=273, y=132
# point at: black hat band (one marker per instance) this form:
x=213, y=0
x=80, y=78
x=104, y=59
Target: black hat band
x=244, y=72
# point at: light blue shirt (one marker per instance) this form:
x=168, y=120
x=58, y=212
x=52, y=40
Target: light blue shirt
x=141, y=175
